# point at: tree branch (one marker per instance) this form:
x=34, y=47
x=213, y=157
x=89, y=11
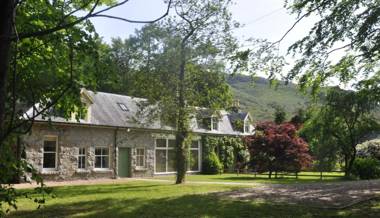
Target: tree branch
x=91, y=14
x=295, y=24
x=47, y=106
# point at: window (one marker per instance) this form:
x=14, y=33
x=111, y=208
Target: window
x=82, y=158
x=246, y=126
x=140, y=157
x=50, y=153
x=101, y=158
x=122, y=107
x=194, y=156
x=214, y=123
x=165, y=155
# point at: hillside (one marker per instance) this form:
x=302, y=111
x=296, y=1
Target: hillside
x=256, y=96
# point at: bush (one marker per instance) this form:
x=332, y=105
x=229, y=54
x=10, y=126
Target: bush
x=211, y=164
x=369, y=149
x=366, y=168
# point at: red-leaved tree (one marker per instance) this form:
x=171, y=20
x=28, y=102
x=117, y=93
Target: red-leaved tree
x=277, y=148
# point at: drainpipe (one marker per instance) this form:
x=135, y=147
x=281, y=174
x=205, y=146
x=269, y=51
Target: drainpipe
x=115, y=153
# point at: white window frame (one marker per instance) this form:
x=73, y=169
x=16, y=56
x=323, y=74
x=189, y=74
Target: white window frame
x=246, y=124
x=48, y=138
x=212, y=123
x=82, y=155
x=166, y=148
x=199, y=155
x=102, y=155
x=140, y=156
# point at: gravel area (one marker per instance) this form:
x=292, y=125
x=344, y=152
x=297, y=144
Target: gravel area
x=337, y=195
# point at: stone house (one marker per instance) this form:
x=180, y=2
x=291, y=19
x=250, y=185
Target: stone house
x=114, y=140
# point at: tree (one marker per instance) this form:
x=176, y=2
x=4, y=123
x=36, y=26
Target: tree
x=279, y=113
x=341, y=123
x=276, y=148
x=194, y=41
x=299, y=118
x=348, y=26
x=30, y=31
x=47, y=51
x=324, y=149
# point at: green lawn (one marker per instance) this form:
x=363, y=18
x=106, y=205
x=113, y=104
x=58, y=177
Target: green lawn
x=153, y=199
x=303, y=177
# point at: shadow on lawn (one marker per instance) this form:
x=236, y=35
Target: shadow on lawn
x=184, y=206
x=103, y=189
x=304, y=178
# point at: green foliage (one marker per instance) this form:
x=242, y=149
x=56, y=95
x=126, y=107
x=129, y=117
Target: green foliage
x=279, y=113
x=211, y=164
x=11, y=170
x=238, y=125
x=349, y=26
x=231, y=151
x=366, y=168
x=340, y=124
x=256, y=95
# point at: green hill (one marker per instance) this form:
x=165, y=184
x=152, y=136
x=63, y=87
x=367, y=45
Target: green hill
x=257, y=96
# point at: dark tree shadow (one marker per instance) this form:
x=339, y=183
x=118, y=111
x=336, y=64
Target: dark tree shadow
x=185, y=206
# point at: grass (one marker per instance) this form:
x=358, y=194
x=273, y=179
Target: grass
x=303, y=177
x=152, y=199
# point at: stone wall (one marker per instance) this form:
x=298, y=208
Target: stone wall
x=140, y=139
x=70, y=139
x=73, y=137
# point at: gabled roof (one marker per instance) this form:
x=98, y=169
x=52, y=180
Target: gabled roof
x=238, y=116
x=107, y=109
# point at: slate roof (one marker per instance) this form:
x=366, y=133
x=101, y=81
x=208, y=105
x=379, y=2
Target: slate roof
x=106, y=110
x=237, y=116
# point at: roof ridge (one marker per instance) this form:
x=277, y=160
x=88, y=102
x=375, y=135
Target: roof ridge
x=108, y=93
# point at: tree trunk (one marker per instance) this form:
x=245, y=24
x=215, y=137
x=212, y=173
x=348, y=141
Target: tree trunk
x=320, y=175
x=270, y=174
x=350, y=163
x=346, y=172
x=182, y=128
x=6, y=16
x=181, y=157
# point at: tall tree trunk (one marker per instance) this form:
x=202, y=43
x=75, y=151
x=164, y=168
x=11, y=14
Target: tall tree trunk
x=6, y=16
x=182, y=128
x=350, y=162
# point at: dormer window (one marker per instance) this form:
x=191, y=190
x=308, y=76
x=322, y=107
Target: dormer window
x=123, y=107
x=214, y=123
x=246, y=126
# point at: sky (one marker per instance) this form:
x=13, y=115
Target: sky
x=264, y=19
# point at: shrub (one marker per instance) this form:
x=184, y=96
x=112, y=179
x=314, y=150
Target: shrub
x=369, y=149
x=366, y=168
x=276, y=148
x=211, y=164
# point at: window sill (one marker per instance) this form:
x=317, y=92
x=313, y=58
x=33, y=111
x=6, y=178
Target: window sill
x=49, y=172
x=82, y=171
x=170, y=173
x=100, y=170
x=141, y=169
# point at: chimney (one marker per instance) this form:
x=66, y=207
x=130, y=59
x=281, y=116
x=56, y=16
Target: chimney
x=236, y=106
